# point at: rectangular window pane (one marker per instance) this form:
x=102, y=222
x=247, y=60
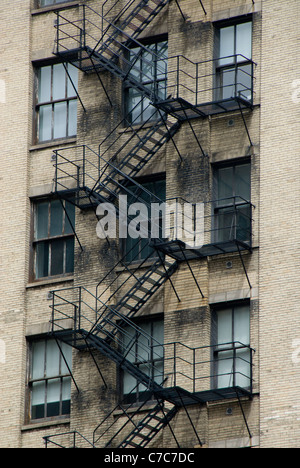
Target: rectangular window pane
x=41, y=220
x=67, y=352
x=60, y=120
x=242, y=181
x=158, y=336
x=225, y=368
x=70, y=255
x=243, y=231
x=52, y=359
x=38, y=400
x=38, y=360
x=45, y=123
x=242, y=367
x=56, y=218
x=129, y=383
x=53, y=390
x=134, y=103
x=49, y=2
x=225, y=326
x=73, y=73
x=57, y=257
x=244, y=40
x=225, y=221
x=59, y=82
x=242, y=325
x=225, y=183
x=42, y=260
x=228, y=83
x=53, y=398
x=226, y=45
x=72, y=118
x=244, y=82
x=66, y=395
x=70, y=209
x=44, y=79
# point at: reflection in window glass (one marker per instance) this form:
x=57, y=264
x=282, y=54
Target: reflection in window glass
x=153, y=74
x=57, y=102
x=232, y=356
x=53, y=238
x=49, y=380
x=147, y=354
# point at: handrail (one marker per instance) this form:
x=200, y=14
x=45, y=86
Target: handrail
x=75, y=434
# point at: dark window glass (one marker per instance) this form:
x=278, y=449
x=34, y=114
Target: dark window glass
x=152, y=74
x=56, y=102
x=232, y=215
x=234, y=72
x=232, y=353
x=49, y=380
x=53, y=238
x=147, y=354
x=139, y=249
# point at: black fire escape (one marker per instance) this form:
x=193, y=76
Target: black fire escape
x=104, y=320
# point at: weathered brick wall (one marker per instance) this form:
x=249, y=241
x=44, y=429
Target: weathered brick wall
x=279, y=227
x=273, y=267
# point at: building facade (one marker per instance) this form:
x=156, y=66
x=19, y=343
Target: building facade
x=149, y=279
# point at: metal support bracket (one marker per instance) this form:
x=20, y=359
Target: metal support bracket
x=101, y=82
x=243, y=263
x=75, y=89
x=169, y=425
x=95, y=362
x=190, y=268
x=194, y=133
x=245, y=124
x=189, y=418
x=171, y=137
x=168, y=276
x=244, y=416
x=71, y=224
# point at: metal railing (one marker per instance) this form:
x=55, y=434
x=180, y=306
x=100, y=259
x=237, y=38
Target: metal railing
x=76, y=309
x=209, y=81
x=71, y=440
x=206, y=368
x=194, y=369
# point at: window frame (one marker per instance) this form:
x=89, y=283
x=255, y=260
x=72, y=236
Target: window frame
x=137, y=396
x=126, y=252
x=128, y=109
x=54, y=3
x=237, y=65
x=219, y=205
x=29, y=419
x=65, y=236
x=38, y=66
x=216, y=350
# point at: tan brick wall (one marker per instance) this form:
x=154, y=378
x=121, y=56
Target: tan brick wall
x=279, y=227
x=273, y=267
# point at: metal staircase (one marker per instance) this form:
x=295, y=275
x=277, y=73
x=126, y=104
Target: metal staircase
x=149, y=427
x=136, y=297
x=80, y=318
x=134, y=160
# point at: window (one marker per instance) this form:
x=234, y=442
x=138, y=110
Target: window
x=152, y=74
x=139, y=249
x=232, y=215
x=234, y=72
x=49, y=379
x=56, y=102
x=232, y=355
x=147, y=354
x=53, y=242
x=43, y=3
